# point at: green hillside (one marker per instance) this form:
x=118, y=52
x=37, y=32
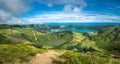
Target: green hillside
x=12, y=53
x=70, y=57
x=94, y=47
x=103, y=48
x=31, y=36
x=109, y=39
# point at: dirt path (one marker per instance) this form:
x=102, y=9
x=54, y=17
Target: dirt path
x=44, y=58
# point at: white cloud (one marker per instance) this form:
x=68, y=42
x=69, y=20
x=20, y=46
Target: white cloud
x=69, y=5
x=50, y=5
x=71, y=17
x=14, y=20
x=76, y=9
x=4, y=16
x=8, y=18
x=13, y=6
x=67, y=8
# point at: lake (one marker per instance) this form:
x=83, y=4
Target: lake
x=85, y=24
x=79, y=30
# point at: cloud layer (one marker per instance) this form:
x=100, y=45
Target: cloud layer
x=69, y=6
x=72, y=17
x=7, y=18
x=69, y=11
x=9, y=9
x=13, y=6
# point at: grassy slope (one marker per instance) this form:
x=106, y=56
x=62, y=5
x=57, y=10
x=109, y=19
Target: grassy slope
x=17, y=53
x=70, y=57
x=25, y=35
x=60, y=39
x=109, y=40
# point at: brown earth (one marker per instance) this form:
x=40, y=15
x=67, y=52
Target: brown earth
x=45, y=58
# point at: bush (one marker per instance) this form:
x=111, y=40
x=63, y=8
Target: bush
x=14, y=53
x=78, y=58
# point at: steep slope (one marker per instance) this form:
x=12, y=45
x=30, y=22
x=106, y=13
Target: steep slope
x=109, y=39
x=12, y=53
x=60, y=39
x=18, y=35
x=31, y=36
x=4, y=39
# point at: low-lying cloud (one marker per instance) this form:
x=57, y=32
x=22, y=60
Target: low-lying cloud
x=72, y=17
x=8, y=18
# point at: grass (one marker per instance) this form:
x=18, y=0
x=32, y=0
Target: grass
x=23, y=35
x=70, y=57
x=17, y=53
x=78, y=37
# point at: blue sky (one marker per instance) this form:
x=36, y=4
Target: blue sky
x=40, y=11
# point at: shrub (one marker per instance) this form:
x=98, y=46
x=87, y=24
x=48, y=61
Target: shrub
x=78, y=58
x=18, y=52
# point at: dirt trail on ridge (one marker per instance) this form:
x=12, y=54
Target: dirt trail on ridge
x=45, y=58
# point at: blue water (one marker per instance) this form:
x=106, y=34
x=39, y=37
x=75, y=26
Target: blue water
x=79, y=30
x=82, y=30
x=85, y=24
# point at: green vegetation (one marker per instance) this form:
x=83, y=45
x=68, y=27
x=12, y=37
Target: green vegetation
x=17, y=53
x=87, y=46
x=103, y=48
x=78, y=58
x=109, y=39
x=28, y=35
x=21, y=44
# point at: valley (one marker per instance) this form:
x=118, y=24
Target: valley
x=21, y=44
x=59, y=31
